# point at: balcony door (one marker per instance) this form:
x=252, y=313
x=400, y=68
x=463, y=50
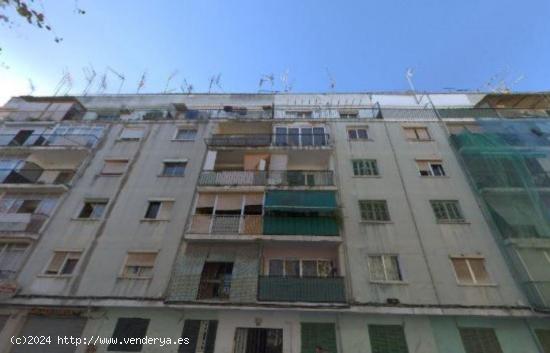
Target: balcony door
x=215, y=282
x=258, y=340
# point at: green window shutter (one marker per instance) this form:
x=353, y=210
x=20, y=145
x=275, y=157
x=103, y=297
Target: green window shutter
x=300, y=201
x=129, y=328
x=211, y=336
x=190, y=331
x=480, y=340
x=544, y=339
x=387, y=339
x=321, y=335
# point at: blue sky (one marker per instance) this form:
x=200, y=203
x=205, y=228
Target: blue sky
x=365, y=45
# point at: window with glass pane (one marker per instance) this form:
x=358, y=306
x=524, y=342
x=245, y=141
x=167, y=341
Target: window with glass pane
x=276, y=268
x=63, y=263
x=93, y=209
x=281, y=136
x=430, y=167
x=292, y=268
x=348, y=114
x=365, y=167
x=384, y=268
x=470, y=270
x=139, y=264
x=174, y=168
x=131, y=133
x=417, y=133
x=11, y=259
x=358, y=134
x=374, y=210
x=319, y=136
x=293, y=136
x=447, y=210
x=479, y=340
x=307, y=136
x=186, y=134
x=153, y=209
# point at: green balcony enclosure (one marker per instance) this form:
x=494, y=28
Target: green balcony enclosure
x=300, y=201
x=314, y=226
x=301, y=289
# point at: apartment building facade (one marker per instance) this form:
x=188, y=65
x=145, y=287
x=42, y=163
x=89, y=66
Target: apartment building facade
x=277, y=222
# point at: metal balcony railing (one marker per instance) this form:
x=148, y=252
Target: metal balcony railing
x=36, y=176
x=226, y=224
x=47, y=140
x=301, y=289
x=264, y=140
x=264, y=178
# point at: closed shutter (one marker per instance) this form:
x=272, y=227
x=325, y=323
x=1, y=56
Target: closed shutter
x=211, y=336
x=480, y=340
x=318, y=335
x=544, y=339
x=52, y=327
x=387, y=339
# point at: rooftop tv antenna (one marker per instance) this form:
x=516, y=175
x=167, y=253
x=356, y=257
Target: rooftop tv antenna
x=186, y=87
x=31, y=87
x=287, y=85
x=102, y=87
x=120, y=77
x=409, y=75
x=90, y=75
x=65, y=84
x=332, y=82
x=172, y=75
x=215, y=81
x=266, y=79
x=141, y=82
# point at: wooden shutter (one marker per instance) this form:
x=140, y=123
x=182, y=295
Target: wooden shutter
x=56, y=262
x=387, y=338
x=462, y=271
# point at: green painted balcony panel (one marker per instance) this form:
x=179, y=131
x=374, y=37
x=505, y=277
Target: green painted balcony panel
x=300, y=201
x=302, y=289
x=315, y=226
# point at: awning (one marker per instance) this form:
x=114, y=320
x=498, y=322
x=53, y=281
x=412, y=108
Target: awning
x=300, y=201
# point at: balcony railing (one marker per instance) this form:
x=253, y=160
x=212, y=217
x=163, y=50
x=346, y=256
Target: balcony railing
x=264, y=140
x=226, y=224
x=271, y=178
x=313, y=226
x=36, y=176
x=21, y=222
x=302, y=289
x=47, y=140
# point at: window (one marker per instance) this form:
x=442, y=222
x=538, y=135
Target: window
x=300, y=136
x=387, y=339
x=430, y=167
x=447, y=211
x=201, y=335
x=132, y=133
x=318, y=337
x=63, y=263
x=125, y=330
x=215, y=282
x=358, y=134
x=159, y=209
x=108, y=116
x=374, y=210
x=304, y=114
x=349, y=114
x=174, y=169
x=365, y=167
x=139, y=264
x=11, y=259
x=300, y=268
x=470, y=270
x=479, y=340
x=93, y=209
x=258, y=340
x=417, y=133
x=114, y=167
x=384, y=268
x=186, y=134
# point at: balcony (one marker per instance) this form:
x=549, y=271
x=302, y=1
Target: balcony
x=21, y=222
x=36, y=176
x=313, y=226
x=226, y=224
x=30, y=139
x=267, y=140
x=267, y=178
x=301, y=289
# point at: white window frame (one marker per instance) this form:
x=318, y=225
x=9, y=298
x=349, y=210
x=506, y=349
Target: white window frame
x=415, y=128
x=92, y=200
x=69, y=255
x=178, y=128
x=386, y=280
x=184, y=161
x=123, y=273
x=356, y=129
x=162, y=209
x=300, y=264
x=430, y=163
x=448, y=219
x=367, y=160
